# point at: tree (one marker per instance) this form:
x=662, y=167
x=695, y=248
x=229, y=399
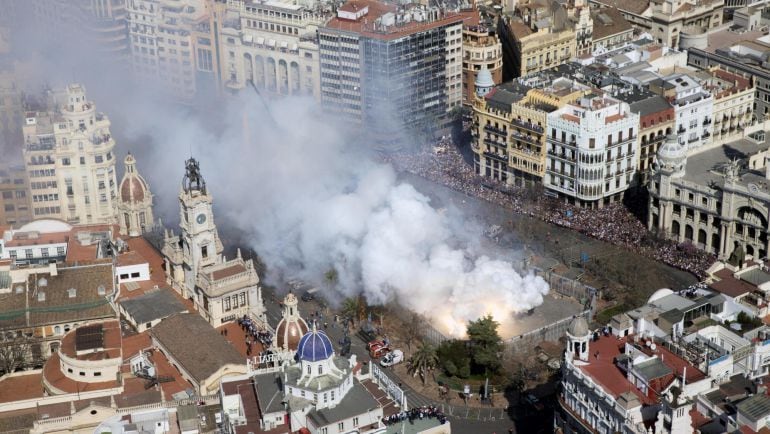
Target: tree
x=350, y=308
x=331, y=277
x=422, y=361
x=414, y=329
x=14, y=353
x=454, y=359
x=486, y=344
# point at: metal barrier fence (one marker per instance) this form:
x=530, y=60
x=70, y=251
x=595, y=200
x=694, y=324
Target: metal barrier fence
x=550, y=332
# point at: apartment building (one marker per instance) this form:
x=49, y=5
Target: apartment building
x=592, y=150
x=174, y=44
x=68, y=155
x=481, y=48
x=273, y=46
x=392, y=70
x=509, y=128
x=733, y=102
x=15, y=207
x=693, y=108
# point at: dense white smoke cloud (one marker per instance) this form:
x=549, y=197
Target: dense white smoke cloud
x=307, y=194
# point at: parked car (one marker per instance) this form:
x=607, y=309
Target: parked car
x=393, y=358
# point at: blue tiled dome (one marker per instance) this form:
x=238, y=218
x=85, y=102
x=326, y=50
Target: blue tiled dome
x=315, y=346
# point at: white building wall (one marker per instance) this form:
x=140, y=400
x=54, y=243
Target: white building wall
x=132, y=273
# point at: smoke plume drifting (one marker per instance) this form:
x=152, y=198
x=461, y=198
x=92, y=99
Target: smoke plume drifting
x=303, y=187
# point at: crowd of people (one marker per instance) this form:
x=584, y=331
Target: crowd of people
x=418, y=413
x=612, y=223
x=254, y=334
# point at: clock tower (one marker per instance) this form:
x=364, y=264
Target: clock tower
x=200, y=240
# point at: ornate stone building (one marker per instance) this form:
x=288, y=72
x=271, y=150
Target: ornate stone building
x=135, y=201
x=292, y=327
x=717, y=200
x=221, y=289
x=68, y=154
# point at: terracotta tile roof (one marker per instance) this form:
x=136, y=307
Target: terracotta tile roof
x=604, y=28
x=53, y=374
x=27, y=386
x=613, y=118
x=602, y=369
x=19, y=240
x=57, y=306
x=111, y=343
x=729, y=285
x=571, y=118
x=632, y=6
x=195, y=345
x=229, y=271
x=130, y=258
x=144, y=249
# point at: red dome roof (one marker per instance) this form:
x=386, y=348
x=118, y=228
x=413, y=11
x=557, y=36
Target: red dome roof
x=288, y=333
x=132, y=189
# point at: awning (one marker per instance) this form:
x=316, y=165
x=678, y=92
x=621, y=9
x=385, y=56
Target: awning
x=271, y=42
x=248, y=38
x=284, y=44
x=260, y=41
x=294, y=47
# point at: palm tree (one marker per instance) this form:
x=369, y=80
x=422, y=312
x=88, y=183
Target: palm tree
x=422, y=361
x=350, y=308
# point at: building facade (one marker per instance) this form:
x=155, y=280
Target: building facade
x=665, y=20
x=68, y=155
x=693, y=108
x=372, y=56
x=222, y=290
x=273, y=46
x=733, y=102
x=592, y=150
x=712, y=202
x=509, y=129
x=481, y=49
x=174, y=44
x=15, y=206
x=656, y=121
x=135, y=201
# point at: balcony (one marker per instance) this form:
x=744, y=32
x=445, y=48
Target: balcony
x=525, y=138
x=498, y=157
x=561, y=155
x=706, y=121
x=527, y=125
x=491, y=142
x=494, y=130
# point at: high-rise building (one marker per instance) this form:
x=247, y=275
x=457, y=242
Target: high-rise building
x=68, y=154
x=273, y=45
x=392, y=69
x=592, y=150
x=135, y=201
x=174, y=44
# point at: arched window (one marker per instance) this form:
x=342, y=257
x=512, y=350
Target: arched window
x=57, y=330
x=309, y=370
x=320, y=370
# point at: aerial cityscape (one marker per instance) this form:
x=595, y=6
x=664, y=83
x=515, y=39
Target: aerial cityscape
x=383, y=217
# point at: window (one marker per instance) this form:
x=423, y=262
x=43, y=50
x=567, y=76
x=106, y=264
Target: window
x=97, y=374
x=341, y=426
x=72, y=292
x=355, y=422
x=82, y=161
x=134, y=275
x=324, y=431
x=60, y=251
x=227, y=303
x=7, y=195
x=44, y=250
x=28, y=253
x=205, y=251
x=243, y=299
x=82, y=374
